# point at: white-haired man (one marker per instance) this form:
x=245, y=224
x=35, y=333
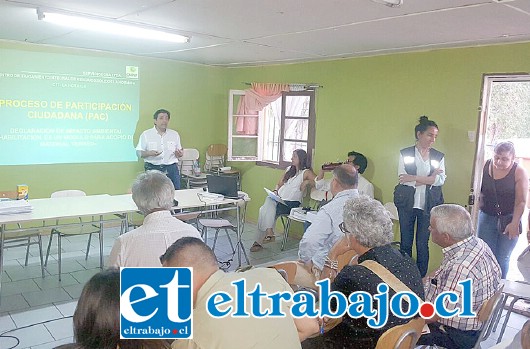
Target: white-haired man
x=324, y=231
x=465, y=257
x=153, y=193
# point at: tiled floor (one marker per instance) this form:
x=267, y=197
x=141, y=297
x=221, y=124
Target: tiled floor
x=37, y=311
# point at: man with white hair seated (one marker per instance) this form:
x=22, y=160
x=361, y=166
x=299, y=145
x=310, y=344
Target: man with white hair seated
x=465, y=257
x=324, y=232
x=153, y=193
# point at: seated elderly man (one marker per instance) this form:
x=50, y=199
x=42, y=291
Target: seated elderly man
x=465, y=257
x=234, y=332
x=324, y=231
x=153, y=193
x=367, y=229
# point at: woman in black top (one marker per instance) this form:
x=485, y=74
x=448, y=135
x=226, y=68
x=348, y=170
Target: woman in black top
x=502, y=202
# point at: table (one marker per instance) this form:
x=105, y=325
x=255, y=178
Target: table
x=50, y=210
x=194, y=199
x=516, y=289
x=53, y=209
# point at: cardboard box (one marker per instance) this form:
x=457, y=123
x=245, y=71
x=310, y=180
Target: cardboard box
x=22, y=192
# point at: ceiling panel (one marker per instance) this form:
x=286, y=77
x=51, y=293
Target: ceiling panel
x=237, y=53
x=242, y=19
x=232, y=32
x=462, y=25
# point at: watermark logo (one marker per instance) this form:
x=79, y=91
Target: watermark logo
x=156, y=303
x=375, y=308
x=131, y=72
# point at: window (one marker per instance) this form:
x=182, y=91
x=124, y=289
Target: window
x=284, y=125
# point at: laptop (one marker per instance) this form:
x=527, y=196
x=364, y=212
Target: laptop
x=224, y=185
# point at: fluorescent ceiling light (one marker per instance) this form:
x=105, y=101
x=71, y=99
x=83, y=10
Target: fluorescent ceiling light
x=110, y=27
x=390, y=3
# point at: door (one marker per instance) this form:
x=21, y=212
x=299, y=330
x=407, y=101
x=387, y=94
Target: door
x=504, y=116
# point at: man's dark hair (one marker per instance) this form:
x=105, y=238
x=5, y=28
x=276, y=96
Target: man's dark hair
x=160, y=111
x=183, y=243
x=360, y=160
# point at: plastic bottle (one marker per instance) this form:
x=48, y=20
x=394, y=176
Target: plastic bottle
x=196, y=168
x=471, y=198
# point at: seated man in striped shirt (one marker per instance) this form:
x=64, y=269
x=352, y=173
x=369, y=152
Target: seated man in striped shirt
x=465, y=257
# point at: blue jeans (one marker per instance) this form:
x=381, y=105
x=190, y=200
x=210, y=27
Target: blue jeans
x=499, y=243
x=407, y=219
x=171, y=171
x=449, y=337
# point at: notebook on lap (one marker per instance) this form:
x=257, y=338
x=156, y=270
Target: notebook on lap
x=224, y=185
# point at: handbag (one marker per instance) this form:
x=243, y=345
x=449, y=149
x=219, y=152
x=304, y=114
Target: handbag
x=433, y=197
x=404, y=196
x=502, y=219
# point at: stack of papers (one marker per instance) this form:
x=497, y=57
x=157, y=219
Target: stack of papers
x=274, y=197
x=14, y=207
x=298, y=213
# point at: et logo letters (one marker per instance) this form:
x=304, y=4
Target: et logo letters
x=156, y=303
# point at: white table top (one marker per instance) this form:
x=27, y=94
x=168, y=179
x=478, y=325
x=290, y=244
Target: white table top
x=95, y=205
x=189, y=198
x=65, y=207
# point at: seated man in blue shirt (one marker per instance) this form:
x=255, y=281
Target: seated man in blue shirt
x=324, y=231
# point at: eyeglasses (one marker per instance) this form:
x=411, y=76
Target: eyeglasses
x=343, y=229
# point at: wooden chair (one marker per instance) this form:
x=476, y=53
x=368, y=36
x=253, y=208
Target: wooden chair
x=402, y=336
x=216, y=159
x=489, y=311
x=296, y=274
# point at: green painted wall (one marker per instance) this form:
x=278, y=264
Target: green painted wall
x=194, y=94
x=368, y=104
x=372, y=105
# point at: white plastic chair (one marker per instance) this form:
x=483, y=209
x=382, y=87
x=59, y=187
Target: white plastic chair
x=392, y=209
x=221, y=223
x=320, y=197
x=186, y=164
x=82, y=228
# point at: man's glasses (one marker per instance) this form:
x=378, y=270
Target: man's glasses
x=343, y=229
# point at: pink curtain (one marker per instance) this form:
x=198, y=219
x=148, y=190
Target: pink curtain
x=255, y=99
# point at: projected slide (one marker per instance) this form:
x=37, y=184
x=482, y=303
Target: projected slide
x=57, y=108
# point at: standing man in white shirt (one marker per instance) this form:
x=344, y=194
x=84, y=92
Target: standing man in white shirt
x=160, y=148
x=360, y=163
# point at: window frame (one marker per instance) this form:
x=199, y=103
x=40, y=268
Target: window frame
x=311, y=129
